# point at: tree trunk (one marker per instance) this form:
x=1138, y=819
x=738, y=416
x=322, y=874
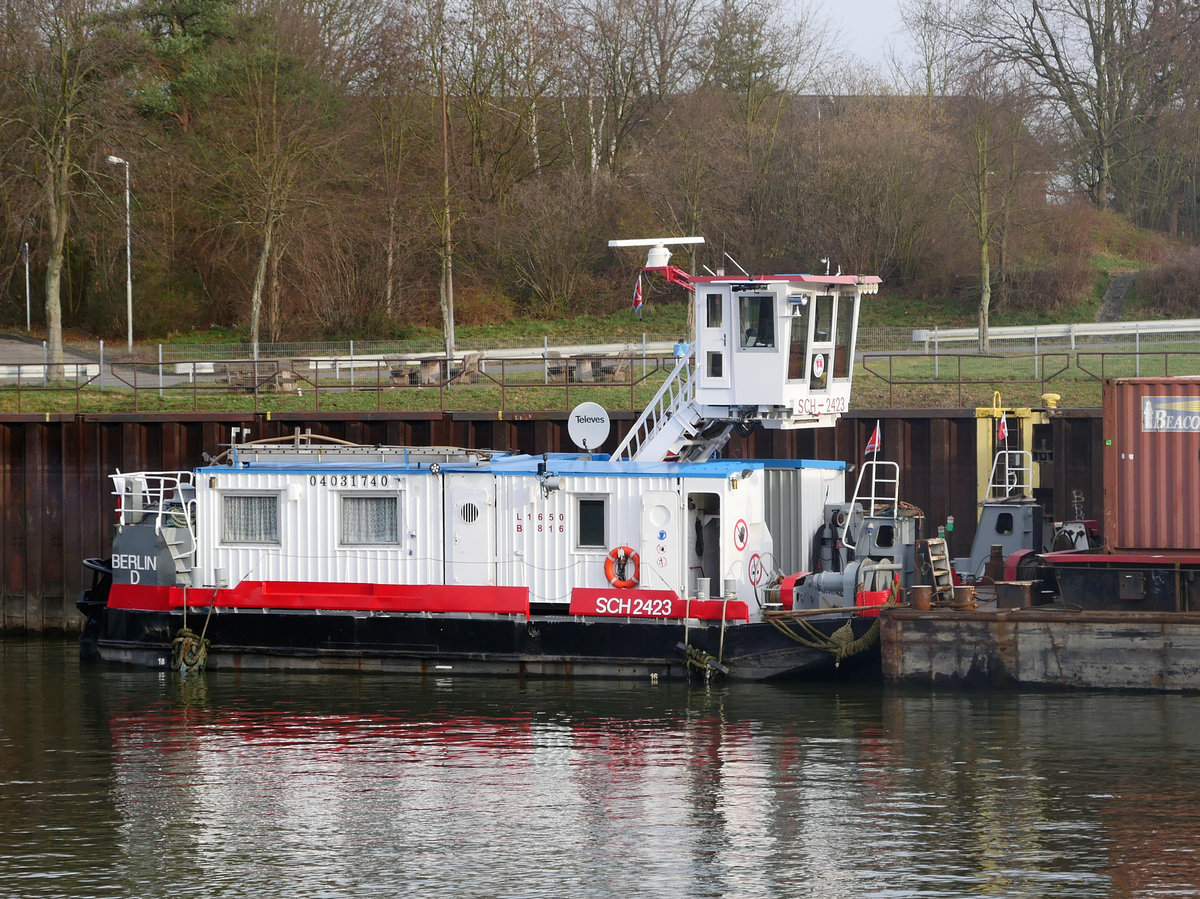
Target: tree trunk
x=260, y=278
x=985, y=296
x=985, y=263
x=390, y=264
x=447, y=286
x=58, y=210
x=274, y=316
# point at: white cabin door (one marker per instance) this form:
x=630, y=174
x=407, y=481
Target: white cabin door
x=713, y=345
x=659, y=552
x=470, y=529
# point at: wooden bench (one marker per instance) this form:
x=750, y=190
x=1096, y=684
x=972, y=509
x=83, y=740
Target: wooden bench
x=469, y=372
x=401, y=372
x=267, y=376
x=620, y=371
x=556, y=367
x=432, y=370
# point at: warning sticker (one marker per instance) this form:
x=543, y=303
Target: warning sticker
x=741, y=533
x=754, y=569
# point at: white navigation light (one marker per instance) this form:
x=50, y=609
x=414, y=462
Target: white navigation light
x=658, y=256
x=588, y=426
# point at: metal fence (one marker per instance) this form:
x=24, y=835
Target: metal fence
x=933, y=340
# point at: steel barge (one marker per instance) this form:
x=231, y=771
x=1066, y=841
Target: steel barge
x=659, y=559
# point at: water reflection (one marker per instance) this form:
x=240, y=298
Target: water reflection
x=126, y=781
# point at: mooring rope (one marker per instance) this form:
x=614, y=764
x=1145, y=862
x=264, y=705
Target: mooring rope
x=842, y=643
x=189, y=651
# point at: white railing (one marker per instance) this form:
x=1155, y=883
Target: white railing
x=883, y=488
x=1012, y=474
x=677, y=389
x=1069, y=334
x=169, y=496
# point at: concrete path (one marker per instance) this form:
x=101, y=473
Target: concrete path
x=1112, y=307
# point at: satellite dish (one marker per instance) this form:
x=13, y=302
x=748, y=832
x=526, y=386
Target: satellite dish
x=588, y=426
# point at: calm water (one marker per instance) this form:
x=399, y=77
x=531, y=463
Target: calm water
x=137, y=784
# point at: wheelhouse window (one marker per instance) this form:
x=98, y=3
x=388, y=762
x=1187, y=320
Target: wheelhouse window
x=713, y=307
x=845, y=325
x=823, y=329
x=250, y=518
x=370, y=519
x=592, y=529
x=757, y=317
x=715, y=367
x=798, y=346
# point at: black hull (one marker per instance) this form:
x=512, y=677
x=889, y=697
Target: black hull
x=545, y=646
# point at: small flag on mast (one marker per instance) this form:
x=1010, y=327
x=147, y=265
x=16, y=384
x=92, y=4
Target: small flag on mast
x=1002, y=430
x=875, y=442
x=637, y=294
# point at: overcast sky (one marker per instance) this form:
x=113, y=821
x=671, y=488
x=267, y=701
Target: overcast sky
x=866, y=26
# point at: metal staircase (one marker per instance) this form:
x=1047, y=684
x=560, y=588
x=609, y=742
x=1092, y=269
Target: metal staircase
x=673, y=426
x=170, y=498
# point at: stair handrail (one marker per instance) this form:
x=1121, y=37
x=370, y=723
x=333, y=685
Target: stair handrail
x=878, y=485
x=161, y=494
x=678, y=388
x=1017, y=474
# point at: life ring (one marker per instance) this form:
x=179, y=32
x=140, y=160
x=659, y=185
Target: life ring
x=616, y=567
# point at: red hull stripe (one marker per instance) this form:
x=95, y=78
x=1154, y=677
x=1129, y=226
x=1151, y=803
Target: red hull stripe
x=334, y=597
x=653, y=604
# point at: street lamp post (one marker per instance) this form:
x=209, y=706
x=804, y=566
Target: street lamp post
x=117, y=160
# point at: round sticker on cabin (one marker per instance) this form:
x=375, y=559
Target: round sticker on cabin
x=818, y=365
x=741, y=534
x=754, y=569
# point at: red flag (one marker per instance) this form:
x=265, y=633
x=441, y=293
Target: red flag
x=875, y=442
x=1002, y=430
x=637, y=294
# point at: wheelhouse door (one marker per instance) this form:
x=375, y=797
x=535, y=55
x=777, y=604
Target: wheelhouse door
x=824, y=336
x=712, y=351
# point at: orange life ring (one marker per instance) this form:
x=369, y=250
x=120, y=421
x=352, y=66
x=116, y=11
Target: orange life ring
x=615, y=567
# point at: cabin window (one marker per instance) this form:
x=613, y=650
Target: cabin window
x=757, y=321
x=798, y=347
x=592, y=530
x=1004, y=523
x=251, y=518
x=713, y=316
x=370, y=519
x=823, y=332
x=885, y=537
x=845, y=325
x=716, y=365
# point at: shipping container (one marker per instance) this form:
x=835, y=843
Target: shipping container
x=1151, y=432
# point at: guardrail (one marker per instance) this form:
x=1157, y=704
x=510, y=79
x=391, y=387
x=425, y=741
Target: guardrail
x=1072, y=333
x=425, y=383
x=553, y=382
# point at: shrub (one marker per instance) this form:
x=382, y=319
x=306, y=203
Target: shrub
x=1171, y=289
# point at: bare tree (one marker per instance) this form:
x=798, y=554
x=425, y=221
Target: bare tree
x=932, y=69
x=1084, y=56
x=986, y=127
x=267, y=144
x=63, y=59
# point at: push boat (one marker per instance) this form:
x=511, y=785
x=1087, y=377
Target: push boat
x=660, y=559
